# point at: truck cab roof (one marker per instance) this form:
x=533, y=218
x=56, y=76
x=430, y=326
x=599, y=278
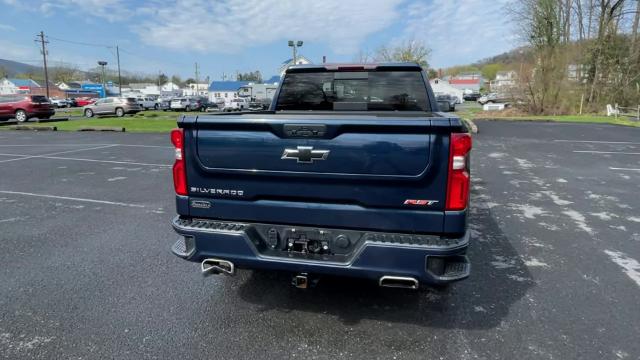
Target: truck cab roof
x=406, y=66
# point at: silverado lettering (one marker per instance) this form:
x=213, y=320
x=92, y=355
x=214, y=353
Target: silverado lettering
x=353, y=171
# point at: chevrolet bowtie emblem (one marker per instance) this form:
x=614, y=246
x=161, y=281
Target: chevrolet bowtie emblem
x=305, y=154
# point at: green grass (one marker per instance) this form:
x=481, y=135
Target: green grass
x=588, y=119
x=65, y=112
x=130, y=123
x=145, y=121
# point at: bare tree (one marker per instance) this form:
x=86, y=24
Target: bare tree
x=408, y=51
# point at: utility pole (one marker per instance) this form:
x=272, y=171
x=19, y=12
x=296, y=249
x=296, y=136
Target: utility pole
x=196, y=78
x=119, y=76
x=43, y=42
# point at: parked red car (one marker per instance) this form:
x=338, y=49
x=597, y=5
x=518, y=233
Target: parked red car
x=80, y=102
x=24, y=107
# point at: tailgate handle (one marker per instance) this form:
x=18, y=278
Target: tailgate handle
x=304, y=130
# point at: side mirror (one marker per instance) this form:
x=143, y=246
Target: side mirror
x=443, y=106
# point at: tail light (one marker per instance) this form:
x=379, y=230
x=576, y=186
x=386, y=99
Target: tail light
x=458, y=183
x=179, y=169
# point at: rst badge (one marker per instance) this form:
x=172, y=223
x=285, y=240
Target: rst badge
x=418, y=202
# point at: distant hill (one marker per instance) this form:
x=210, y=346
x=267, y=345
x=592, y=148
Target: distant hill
x=13, y=67
x=510, y=57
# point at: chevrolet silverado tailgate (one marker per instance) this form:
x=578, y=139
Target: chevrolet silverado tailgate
x=386, y=172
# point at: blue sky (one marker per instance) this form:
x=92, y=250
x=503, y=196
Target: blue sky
x=226, y=36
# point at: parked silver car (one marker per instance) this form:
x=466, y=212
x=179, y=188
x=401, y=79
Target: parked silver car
x=118, y=106
x=188, y=104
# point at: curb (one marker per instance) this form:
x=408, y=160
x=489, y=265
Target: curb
x=101, y=128
x=34, y=128
x=52, y=120
x=8, y=123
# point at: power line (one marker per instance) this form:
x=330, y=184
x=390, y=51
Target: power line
x=80, y=43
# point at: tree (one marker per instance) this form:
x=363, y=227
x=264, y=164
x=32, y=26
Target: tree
x=407, y=51
x=63, y=73
x=457, y=70
x=176, y=80
x=3, y=72
x=255, y=76
x=432, y=73
x=489, y=71
x=162, y=79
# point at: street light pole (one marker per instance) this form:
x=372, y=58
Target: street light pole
x=103, y=64
x=295, y=45
x=119, y=77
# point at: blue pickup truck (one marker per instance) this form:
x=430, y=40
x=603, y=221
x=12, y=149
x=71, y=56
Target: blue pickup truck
x=351, y=172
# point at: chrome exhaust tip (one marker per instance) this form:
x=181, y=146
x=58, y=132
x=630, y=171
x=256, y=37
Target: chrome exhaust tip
x=398, y=282
x=217, y=266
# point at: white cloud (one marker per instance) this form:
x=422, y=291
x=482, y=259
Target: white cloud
x=5, y=27
x=111, y=10
x=11, y=50
x=231, y=26
x=460, y=32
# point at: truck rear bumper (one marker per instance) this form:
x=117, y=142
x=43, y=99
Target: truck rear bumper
x=429, y=261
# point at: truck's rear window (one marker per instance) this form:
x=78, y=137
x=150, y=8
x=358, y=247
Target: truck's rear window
x=356, y=91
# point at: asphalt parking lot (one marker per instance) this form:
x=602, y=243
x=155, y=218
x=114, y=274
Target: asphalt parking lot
x=86, y=270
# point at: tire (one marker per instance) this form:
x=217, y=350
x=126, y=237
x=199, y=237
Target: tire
x=119, y=112
x=21, y=116
x=88, y=113
x=156, y=107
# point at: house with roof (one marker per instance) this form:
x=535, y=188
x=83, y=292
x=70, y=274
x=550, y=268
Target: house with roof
x=504, y=80
x=199, y=89
x=17, y=86
x=300, y=60
x=467, y=85
x=223, y=91
x=442, y=87
x=68, y=85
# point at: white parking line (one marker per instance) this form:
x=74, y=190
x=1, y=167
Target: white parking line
x=24, y=157
x=631, y=266
x=90, y=160
x=129, y=145
x=599, y=142
x=605, y=152
x=623, y=169
x=72, y=198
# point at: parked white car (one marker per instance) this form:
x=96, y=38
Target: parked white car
x=148, y=103
x=60, y=103
x=237, y=105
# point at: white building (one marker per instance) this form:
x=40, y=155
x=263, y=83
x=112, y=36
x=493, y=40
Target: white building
x=17, y=86
x=223, y=91
x=442, y=87
x=199, y=89
x=170, y=87
x=300, y=60
x=145, y=88
x=504, y=80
